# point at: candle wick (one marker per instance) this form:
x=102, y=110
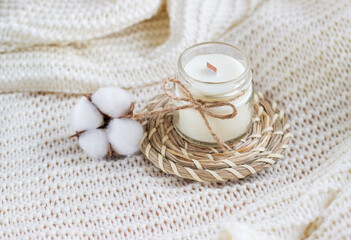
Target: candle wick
x=210, y=66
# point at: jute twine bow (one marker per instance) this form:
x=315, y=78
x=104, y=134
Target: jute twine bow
x=202, y=106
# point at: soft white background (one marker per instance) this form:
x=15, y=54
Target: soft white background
x=52, y=50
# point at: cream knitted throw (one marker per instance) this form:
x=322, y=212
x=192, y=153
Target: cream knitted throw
x=301, y=57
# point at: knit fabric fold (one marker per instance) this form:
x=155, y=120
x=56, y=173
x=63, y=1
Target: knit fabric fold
x=53, y=51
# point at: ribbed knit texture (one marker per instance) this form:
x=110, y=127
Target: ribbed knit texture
x=301, y=57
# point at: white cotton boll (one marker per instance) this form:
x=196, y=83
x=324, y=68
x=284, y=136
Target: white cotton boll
x=94, y=142
x=112, y=101
x=85, y=116
x=124, y=135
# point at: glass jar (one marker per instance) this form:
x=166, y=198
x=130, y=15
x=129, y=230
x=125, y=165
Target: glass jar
x=223, y=85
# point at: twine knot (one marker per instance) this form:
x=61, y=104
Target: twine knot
x=202, y=106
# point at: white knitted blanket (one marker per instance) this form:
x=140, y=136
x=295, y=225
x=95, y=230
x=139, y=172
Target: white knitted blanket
x=301, y=57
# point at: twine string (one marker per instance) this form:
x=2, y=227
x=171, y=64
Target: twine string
x=202, y=106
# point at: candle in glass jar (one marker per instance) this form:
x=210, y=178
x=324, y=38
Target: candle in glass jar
x=229, y=79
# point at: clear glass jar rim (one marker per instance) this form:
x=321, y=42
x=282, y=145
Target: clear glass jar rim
x=247, y=68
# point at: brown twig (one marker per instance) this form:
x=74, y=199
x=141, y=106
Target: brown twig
x=129, y=114
x=111, y=152
x=77, y=134
x=88, y=97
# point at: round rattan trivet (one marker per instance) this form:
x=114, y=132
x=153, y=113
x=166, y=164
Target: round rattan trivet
x=264, y=144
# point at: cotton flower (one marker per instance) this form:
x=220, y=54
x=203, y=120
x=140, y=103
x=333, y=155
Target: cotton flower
x=94, y=142
x=106, y=107
x=112, y=101
x=124, y=135
x=85, y=116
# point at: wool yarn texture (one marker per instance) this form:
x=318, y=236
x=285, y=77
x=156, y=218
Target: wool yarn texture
x=52, y=52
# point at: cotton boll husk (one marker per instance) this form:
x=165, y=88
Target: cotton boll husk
x=85, y=116
x=112, y=101
x=94, y=142
x=124, y=135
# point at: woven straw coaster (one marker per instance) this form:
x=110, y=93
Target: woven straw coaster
x=265, y=142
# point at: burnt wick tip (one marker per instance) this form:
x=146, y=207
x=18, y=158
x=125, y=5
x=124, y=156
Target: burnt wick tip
x=210, y=66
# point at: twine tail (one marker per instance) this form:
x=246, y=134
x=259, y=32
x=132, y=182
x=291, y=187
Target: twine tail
x=219, y=141
x=203, y=107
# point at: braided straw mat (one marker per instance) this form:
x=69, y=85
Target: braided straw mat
x=265, y=142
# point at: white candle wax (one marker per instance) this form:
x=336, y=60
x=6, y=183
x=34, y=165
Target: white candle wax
x=190, y=122
x=228, y=68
